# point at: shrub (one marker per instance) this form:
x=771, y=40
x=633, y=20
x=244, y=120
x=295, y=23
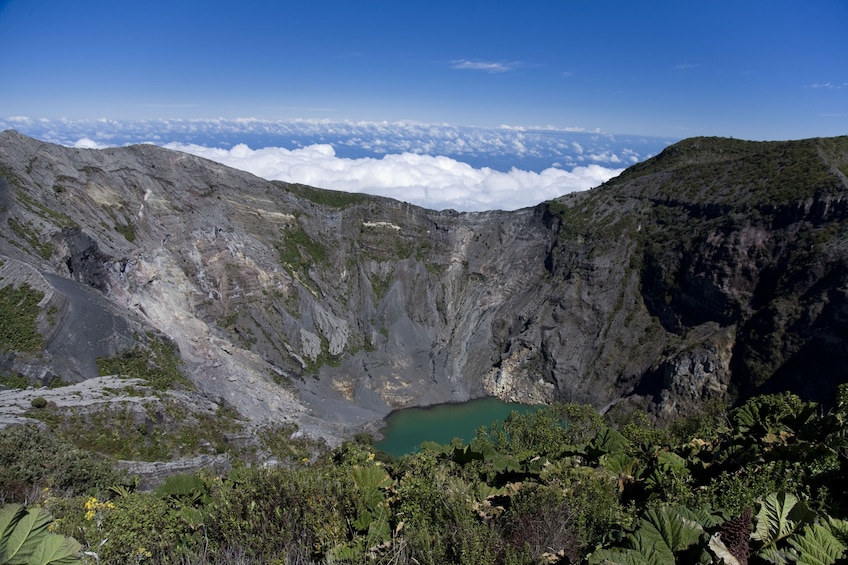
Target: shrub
x=18, y=312
x=158, y=364
x=129, y=528
x=32, y=458
x=14, y=381
x=271, y=513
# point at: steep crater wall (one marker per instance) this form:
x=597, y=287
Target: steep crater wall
x=715, y=270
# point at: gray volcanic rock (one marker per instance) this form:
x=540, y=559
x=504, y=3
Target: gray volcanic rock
x=716, y=269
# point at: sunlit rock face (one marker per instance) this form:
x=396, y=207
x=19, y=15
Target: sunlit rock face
x=716, y=269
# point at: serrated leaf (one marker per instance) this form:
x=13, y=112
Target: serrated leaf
x=671, y=460
x=477, y=450
x=660, y=533
x=363, y=521
x=780, y=515
x=666, y=531
x=369, y=482
x=608, y=440
x=379, y=529
x=774, y=554
x=623, y=557
x=505, y=463
x=620, y=463
x=839, y=528
x=648, y=542
x=485, y=491
x=435, y=447
x=747, y=417
x=700, y=515
x=817, y=545
x=484, y=448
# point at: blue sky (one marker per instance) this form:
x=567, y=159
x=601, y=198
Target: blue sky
x=771, y=69
x=356, y=85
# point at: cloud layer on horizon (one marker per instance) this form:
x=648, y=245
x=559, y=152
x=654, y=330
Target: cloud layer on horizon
x=435, y=182
x=433, y=165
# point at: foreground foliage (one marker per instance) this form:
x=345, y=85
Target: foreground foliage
x=763, y=483
x=24, y=538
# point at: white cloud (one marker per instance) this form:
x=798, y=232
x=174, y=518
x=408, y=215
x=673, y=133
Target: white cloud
x=605, y=157
x=429, y=181
x=487, y=66
x=507, y=167
x=86, y=143
x=828, y=85
x=533, y=148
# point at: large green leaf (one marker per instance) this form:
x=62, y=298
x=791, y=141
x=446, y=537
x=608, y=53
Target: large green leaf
x=10, y=515
x=672, y=461
x=608, y=440
x=184, y=488
x=436, y=448
x=369, y=482
x=25, y=540
x=28, y=529
x=780, y=515
x=54, y=550
x=817, y=545
x=621, y=464
x=625, y=557
x=701, y=515
x=379, y=529
x=746, y=417
x=660, y=534
x=665, y=526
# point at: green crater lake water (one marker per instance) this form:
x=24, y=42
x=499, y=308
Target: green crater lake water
x=406, y=429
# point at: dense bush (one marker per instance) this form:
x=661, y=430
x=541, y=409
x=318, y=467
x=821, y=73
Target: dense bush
x=765, y=482
x=32, y=459
x=270, y=514
x=18, y=312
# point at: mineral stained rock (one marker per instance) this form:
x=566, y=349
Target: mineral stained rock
x=718, y=269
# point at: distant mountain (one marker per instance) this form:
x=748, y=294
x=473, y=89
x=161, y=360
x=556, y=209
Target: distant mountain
x=717, y=269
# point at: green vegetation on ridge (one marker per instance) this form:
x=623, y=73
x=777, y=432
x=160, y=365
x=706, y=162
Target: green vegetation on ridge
x=324, y=197
x=751, y=174
x=158, y=363
x=18, y=313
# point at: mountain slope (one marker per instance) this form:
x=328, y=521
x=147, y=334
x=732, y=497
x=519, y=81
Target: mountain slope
x=736, y=254
x=716, y=269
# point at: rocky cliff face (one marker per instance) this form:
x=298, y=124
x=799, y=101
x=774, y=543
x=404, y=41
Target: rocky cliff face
x=716, y=269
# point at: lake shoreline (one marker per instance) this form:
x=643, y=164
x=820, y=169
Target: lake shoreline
x=407, y=428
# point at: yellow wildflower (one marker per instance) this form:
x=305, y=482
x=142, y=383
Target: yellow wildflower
x=93, y=506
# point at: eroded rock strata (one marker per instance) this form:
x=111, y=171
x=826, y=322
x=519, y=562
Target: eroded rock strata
x=714, y=270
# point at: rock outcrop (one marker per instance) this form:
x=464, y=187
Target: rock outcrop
x=717, y=269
